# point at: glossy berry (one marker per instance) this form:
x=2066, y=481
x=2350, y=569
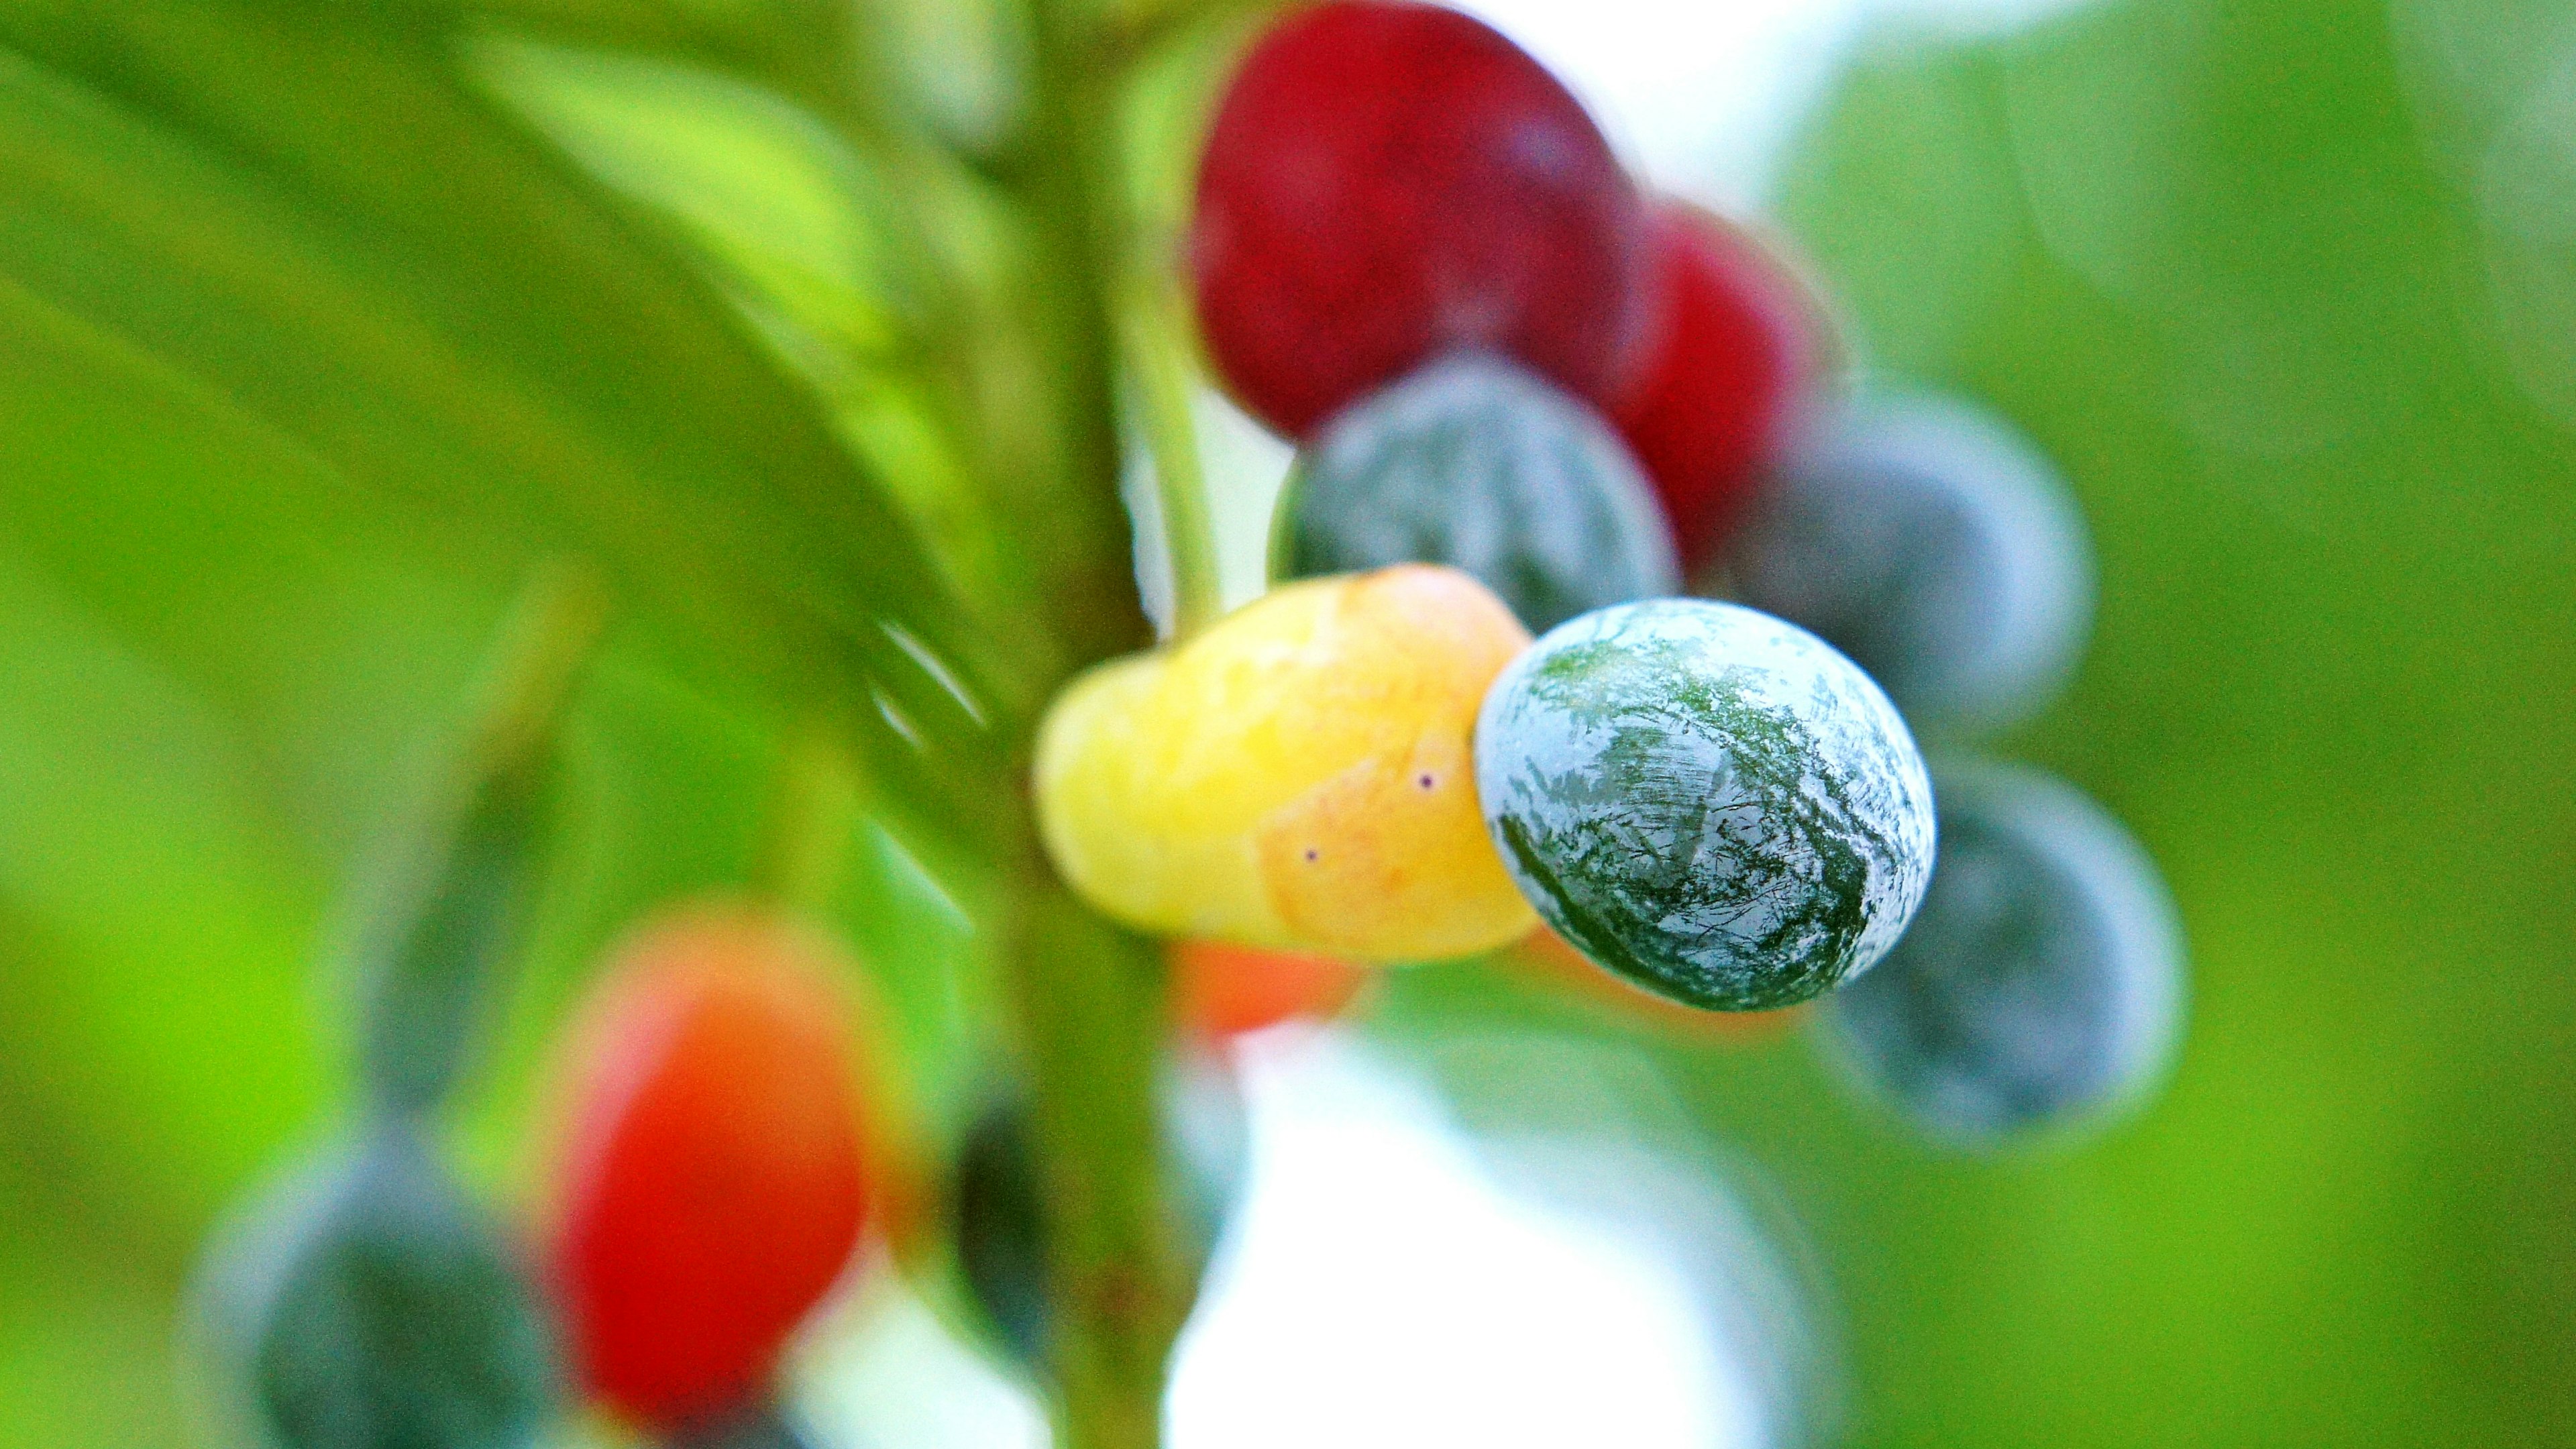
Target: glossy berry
x=1221, y=991
x=1476, y=462
x=368, y=1306
x=1707, y=801
x=1297, y=776
x=1933, y=544
x=1387, y=182
x=714, y=1186
x=1731, y=351
x=2042, y=984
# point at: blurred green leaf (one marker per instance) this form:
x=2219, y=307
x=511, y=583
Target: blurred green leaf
x=318, y=223
x=438, y=935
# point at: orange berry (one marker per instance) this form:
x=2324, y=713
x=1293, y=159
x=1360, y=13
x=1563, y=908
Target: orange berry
x=1223, y=991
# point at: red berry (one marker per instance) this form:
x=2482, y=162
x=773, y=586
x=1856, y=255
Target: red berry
x=1223, y=991
x=714, y=1184
x=1387, y=182
x=1729, y=351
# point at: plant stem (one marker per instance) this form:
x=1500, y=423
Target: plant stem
x=1088, y=995
x=1162, y=383
x=1091, y=1004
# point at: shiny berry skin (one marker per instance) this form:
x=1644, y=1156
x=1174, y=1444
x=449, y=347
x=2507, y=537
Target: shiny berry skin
x=1730, y=348
x=1221, y=991
x=1707, y=800
x=1297, y=776
x=1388, y=182
x=715, y=1183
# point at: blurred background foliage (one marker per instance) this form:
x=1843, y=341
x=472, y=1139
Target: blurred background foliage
x=316, y=333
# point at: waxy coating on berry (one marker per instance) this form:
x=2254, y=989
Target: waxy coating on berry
x=715, y=1184
x=1476, y=462
x=371, y=1307
x=1297, y=776
x=1707, y=800
x=1933, y=544
x=1731, y=350
x=1389, y=182
x=2040, y=987
x=1223, y=991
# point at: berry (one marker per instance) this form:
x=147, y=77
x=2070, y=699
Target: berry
x=1730, y=352
x=1388, y=182
x=1296, y=777
x=1707, y=801
x=1223, y=991
x=715, y=1184
x=1936, y=547
x=1478, y=463
x=374, y=1309
x=2042, y=984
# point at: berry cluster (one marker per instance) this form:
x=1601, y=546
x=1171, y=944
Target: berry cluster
x=1530, y=400
x=1529, y=394
x=712, y=1185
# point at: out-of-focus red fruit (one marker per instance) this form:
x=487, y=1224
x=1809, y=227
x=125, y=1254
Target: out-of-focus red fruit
x=715, y=1182
x=1552, y=960
x=1730, y=349
x=1221, y=991
x=1387, y=182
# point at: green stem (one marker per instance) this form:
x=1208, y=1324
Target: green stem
x=1162, y=382
x=1089, y=996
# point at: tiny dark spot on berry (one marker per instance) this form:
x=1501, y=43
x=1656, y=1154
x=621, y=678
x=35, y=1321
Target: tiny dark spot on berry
x=1427, y=782
x=1312, y=853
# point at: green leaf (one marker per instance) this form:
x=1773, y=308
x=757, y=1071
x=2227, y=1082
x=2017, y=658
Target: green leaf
x=449, y=919
x=319, y=225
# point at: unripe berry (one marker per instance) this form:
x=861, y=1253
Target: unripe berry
x=2042, y=984
x=1387, y=182
x=1478, y=463
x=1933, y=544
x=1295, y=777
x=1731, y=349
x=367, y=1305
x=715, y=1185
x=1706, y=800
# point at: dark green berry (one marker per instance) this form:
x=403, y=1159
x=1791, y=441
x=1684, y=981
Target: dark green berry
x=2042, y=983
x=1707, y=801
x=368, y=1306
x=1935, y=546
x=1481, y=464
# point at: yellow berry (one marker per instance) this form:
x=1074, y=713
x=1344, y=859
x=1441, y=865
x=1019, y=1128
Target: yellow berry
x=1298, y=777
